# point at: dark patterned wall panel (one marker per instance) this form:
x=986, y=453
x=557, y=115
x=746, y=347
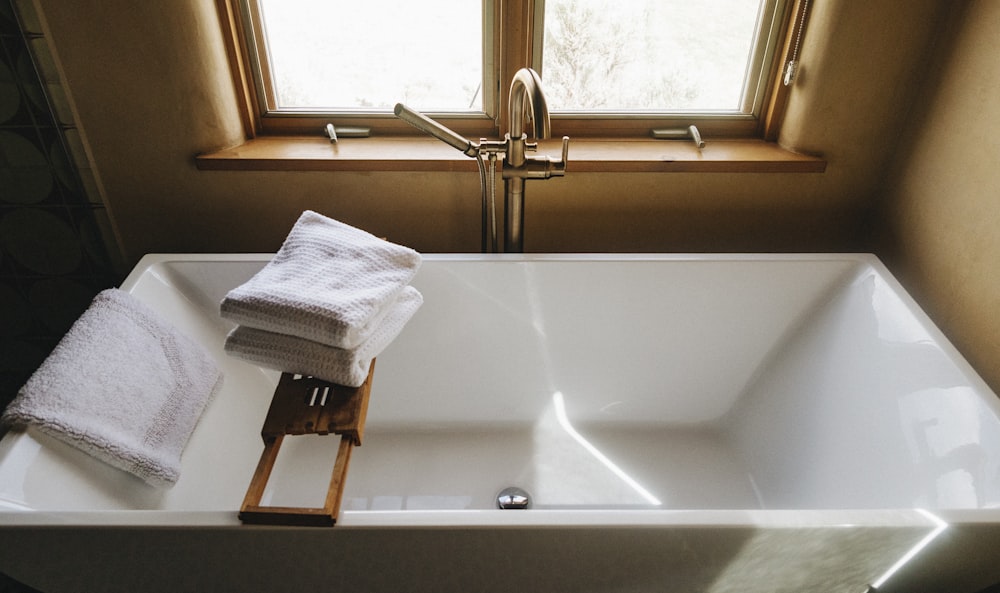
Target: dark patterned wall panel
x=53, y=254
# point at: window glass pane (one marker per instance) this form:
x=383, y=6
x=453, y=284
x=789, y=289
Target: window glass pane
x=648, y=55
x=341, y=55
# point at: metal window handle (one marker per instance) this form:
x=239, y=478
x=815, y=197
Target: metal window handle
x=696, y=136
x=335, y=133
x=680, y=134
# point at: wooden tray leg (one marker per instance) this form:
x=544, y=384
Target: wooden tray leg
x=253, y=512
x=263, y=472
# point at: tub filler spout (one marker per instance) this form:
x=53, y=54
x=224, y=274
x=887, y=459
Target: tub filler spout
x=526, y=97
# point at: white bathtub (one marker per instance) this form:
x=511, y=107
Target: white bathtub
x=682, y=423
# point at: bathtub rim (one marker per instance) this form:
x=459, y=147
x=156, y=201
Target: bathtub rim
x=535, y=519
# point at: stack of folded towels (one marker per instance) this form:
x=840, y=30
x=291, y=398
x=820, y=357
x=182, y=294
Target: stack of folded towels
x=331, y=299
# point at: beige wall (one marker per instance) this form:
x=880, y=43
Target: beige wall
x=151, y=90
x=942, y=217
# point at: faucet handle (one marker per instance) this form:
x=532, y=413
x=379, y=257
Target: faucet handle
x=558, y=167
x=539, y=167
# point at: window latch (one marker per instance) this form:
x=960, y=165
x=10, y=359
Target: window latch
x=680, y=134
x=334, y=133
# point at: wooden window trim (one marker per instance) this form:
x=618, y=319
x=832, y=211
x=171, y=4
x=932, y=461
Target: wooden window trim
x=774, y=113
x=239, y=66
x=604, y=145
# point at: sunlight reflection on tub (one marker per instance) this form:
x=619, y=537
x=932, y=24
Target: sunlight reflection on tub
x=571, y=471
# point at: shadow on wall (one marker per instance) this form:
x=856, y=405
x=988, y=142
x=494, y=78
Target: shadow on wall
x=9, y=585
x=53, y=260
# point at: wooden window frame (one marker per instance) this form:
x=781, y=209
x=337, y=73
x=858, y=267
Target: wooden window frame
x=516, y=21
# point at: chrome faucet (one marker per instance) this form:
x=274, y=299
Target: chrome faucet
x=526, y=87
x=526, y=100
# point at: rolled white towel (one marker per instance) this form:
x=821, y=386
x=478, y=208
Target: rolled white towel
x=122, y=385
x=293, y=354
x=329, y=283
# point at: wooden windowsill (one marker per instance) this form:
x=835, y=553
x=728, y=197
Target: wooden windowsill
x=414, y=153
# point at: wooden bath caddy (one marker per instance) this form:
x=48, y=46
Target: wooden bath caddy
x=305, y=405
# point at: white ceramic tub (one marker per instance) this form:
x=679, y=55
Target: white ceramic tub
x=682, y=423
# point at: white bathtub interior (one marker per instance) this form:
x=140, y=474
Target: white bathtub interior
x=601, y=383
x=616, y=390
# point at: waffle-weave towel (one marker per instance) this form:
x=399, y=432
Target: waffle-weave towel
x=292, y=354
x=329, y=283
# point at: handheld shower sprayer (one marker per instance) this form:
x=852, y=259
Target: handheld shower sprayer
x=429, y=126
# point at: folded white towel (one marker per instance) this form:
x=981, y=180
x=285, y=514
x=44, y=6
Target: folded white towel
x=122, y=385
x=292, y=354
x=329, y=283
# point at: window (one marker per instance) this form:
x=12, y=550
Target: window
x=609, y=68
x=322, y=56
